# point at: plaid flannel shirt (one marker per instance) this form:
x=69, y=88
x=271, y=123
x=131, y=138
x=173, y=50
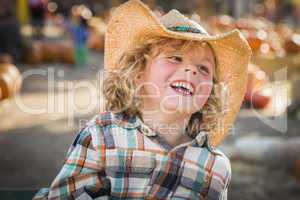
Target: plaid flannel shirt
x=114, y=157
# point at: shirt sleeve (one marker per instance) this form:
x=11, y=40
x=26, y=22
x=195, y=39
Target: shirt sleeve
x=221, y=176
x=82, y=175
x=224, y=195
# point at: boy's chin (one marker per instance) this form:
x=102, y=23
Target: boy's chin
x=173, y=108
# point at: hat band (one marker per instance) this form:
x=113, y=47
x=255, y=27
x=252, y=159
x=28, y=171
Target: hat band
x=185, y=29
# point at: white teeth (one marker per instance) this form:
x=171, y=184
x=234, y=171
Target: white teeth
x=186, y=85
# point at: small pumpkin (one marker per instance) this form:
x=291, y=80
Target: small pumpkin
x=51, y=52
x=34, y=54
x=66, y=53
x=10, y=80
x=291, y=47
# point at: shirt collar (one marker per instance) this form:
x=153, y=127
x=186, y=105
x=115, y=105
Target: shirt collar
x=125, y=122
x=131, y=123
x=201, y=139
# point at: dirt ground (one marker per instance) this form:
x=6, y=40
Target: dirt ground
x=33, y=146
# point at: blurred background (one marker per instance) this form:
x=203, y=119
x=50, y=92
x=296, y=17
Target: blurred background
x=51, y=56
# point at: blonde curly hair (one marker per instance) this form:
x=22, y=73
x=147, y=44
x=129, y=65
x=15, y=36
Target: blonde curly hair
x=120, y=90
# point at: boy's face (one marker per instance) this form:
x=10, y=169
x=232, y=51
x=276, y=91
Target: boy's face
x=178, y=79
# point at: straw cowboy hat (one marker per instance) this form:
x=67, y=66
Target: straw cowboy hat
x=133, y=22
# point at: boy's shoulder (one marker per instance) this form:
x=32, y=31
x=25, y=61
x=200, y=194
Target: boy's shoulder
x=221, y=171
x=91, y=129
x=107, y=118
x=215, y=163
x=104, y=118
x=220, y=153
x=205, y=150
x=209, y=153
x=222, y=160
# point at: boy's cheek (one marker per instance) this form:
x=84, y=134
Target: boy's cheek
x=163, y=66
x=203, y=94
x=203, y=87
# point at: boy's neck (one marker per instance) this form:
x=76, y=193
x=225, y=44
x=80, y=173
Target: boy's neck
x=169, y=126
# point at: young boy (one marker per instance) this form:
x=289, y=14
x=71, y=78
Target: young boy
x=172, y=92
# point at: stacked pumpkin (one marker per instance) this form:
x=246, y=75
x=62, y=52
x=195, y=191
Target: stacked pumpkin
x=58, y=52
x=34, y=54
x=50, y=52
x=274, y=47
x=10, y=80
x=263, y=36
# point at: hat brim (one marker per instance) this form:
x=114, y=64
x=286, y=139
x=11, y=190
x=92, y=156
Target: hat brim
x=133, y=22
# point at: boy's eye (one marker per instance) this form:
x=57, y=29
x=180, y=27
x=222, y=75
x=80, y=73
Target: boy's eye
x=203, y=69
x=175, y=58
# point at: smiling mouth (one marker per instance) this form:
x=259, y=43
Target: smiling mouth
x=183, y=87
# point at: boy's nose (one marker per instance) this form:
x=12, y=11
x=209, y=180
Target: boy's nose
x=193, y=71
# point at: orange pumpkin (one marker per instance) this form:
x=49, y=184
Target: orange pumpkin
x=66, y=52
x=255, y=82
x=260, y=101
x=254, y=43
x=58, y=52
x=34, y=54
x=51, y=52
x=291, y=46
x=257, y=100
x=10, y=80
